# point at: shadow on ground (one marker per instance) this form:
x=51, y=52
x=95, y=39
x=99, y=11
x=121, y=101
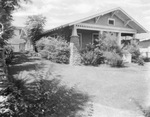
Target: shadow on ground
x=22, y=62
x=20, y=58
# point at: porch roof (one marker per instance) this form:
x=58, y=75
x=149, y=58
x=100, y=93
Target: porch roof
x=121, y=14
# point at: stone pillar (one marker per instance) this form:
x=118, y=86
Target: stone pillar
x=119, y=39
x=75, y=58
x=74, y=37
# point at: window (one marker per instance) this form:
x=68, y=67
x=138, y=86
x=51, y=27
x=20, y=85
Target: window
x=111, y=21
x=95, y=38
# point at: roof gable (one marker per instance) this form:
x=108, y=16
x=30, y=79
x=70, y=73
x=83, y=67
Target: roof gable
x=127, y=20
x=119, y=13
x=103, y=20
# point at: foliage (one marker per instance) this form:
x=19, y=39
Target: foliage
x=133, y=48
x=91, y=56
x=56, y=50
x=34, y=27
x=108, y=44
x=97, y=53
x=113, y=59
x=146, y=59
x=41, y=96
x=7, y=8
x=8, y=51
x=140, y=61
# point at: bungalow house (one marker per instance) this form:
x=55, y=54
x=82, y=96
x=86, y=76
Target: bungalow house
x=114, y=23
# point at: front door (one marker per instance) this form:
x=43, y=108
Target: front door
x=80, y=40
x=95, y=38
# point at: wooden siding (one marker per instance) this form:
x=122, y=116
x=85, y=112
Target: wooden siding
x=103, y=20
x=144, y=44
x=86, y=36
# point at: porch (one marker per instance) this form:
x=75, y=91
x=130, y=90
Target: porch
x=83, y=34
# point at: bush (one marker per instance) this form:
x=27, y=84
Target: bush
x=133, y=48
x=41, y=98
x=114, y=59
x=91, y=56
x=104, y=49
x=146, y=59
x=140, y=61
x=44, y=54
x=56, y=50
x=8, y=51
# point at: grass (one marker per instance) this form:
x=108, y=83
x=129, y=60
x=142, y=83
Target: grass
x=112, y=88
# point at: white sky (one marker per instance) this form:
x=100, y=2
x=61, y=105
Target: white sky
x=59, y=12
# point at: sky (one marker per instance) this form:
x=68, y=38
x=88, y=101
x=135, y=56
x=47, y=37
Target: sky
x=59, y=12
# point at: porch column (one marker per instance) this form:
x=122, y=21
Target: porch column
x=119, y=38
x=74, y=37
x=134, y=36
x=100, y=34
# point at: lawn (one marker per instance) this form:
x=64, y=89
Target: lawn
x=113, y=89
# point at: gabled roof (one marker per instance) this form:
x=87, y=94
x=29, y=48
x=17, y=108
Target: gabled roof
x=122, y=15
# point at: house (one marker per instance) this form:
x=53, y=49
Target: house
x=145, y=48
x=16, y=42
x=144, y=43
x=19, y=41
x=114, y=23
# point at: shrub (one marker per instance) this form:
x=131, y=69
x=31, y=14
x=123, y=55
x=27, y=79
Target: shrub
x=146, y=59
x=140, y=61
x=41, y=43
x=44, y=54
x=8, y=51
x=56, y=50
x=98, y=53
x=113, y=59
x=91, y=56
x=41, y=97
x=133, y=48
x=108, y=44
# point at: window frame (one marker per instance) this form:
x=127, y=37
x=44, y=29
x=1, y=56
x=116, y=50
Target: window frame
x=111, y=20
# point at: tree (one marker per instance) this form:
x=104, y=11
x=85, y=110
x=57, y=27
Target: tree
x=7, y=7
x=34, y=27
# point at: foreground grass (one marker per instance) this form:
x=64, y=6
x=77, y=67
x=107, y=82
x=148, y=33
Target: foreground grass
x=111, y=87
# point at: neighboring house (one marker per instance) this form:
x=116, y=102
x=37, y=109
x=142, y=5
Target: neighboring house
x=16, y=41
x=114, y=23
x=19, y=41
x=145, y=47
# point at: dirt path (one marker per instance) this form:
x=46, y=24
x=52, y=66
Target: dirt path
x=22, y=62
